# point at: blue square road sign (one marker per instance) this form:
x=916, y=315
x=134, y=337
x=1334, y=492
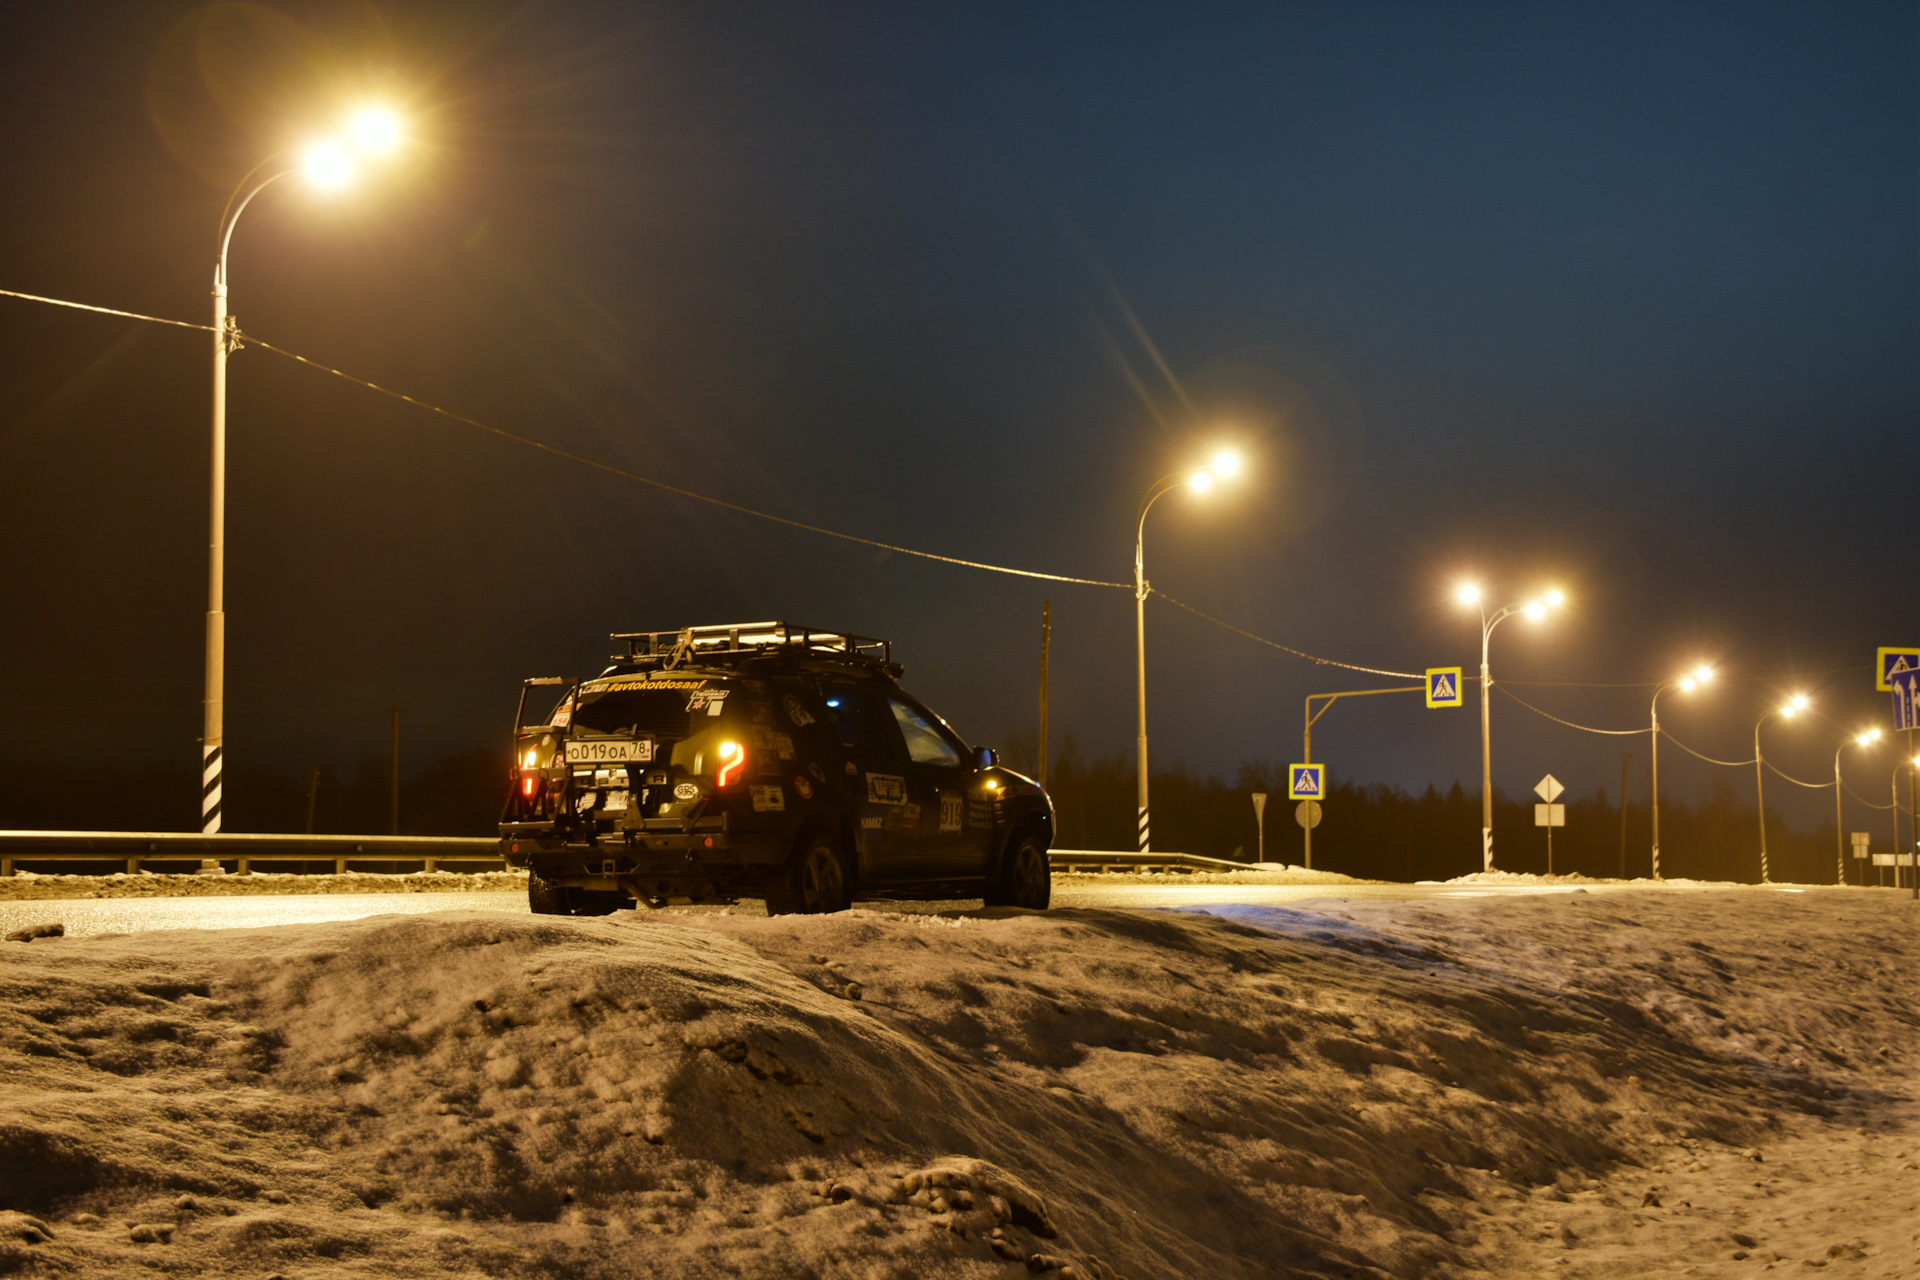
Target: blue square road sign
x=1306, y=781
x=1443, y=687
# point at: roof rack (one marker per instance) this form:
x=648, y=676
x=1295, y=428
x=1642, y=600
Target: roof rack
x=669, y=649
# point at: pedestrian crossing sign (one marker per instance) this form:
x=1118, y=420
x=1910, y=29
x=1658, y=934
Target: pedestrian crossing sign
x=1889, y=661
x=1306, y=781
x=1443, y=687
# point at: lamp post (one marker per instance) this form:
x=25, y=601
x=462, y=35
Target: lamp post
x=1224, y=466
x=328, y=165
x=1470, y=594
x=1913, y=824
x=1786, y=711
x=1868, y=738
x=1687, y=684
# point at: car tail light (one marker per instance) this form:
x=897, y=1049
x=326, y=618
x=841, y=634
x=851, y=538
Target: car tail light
x=733, y=758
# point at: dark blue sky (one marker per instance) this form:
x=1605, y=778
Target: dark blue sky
x=1621, y=297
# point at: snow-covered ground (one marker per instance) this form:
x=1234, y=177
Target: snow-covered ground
x=1706, y=1083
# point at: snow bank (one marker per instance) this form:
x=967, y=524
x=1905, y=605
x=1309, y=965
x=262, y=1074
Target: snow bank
x=1385, y=1089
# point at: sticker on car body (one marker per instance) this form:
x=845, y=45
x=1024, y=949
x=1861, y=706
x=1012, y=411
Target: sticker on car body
x=797, y=711
x=686, y=791
x=802, y=787
x=886, y=788
x=952, y=810
x=768, y=799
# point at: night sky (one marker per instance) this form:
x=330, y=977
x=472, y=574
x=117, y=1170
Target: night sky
x=1614, y=297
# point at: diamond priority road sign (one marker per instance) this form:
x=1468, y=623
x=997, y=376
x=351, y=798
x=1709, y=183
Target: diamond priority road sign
x=1443, y=687
x=1893, y=658
x=1548, y=788
x=1306, y=781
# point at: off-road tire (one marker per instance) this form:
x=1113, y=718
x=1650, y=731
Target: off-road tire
x=1025, y=878
x=545, y=898
x=818, y=880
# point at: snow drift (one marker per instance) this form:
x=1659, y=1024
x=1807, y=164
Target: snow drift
x=1392, y=1089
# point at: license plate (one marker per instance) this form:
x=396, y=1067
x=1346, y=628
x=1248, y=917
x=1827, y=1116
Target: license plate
x=609, y=750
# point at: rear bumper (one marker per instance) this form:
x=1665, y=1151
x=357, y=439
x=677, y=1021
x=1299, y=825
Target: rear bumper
x=671, y=850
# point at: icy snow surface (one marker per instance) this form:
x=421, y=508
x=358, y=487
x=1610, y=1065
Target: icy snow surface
x=1572, y=1084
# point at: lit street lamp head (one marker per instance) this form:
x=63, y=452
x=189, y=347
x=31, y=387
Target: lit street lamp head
x=1700, y=675
x=1226, y=464
x=1535, y=610
x=1871, y=735
x=1201, y=481
x=1555, y=598
x=1798, y=704
x=328, y=166
x=1703, y=673
x=1468, y=593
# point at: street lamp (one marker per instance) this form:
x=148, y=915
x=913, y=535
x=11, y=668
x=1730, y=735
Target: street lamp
x=1866, y=739
x=1786, y=711
x=1470, y=595
x=1224, y=465
x=1913, y=825
x=1700, y=675
x=327, y=165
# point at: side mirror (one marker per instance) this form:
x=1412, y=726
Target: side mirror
x=985, y=757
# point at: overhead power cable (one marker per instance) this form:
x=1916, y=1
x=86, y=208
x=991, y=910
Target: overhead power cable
x=1812, y=786
x=1863, y=800
x=625, y=474
x=1275, y=644
x=697, y=496
x=1731, y=764
x=105, y=311
x=1584, y=728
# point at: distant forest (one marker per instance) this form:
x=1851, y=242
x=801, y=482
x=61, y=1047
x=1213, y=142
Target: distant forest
x=1375, y=831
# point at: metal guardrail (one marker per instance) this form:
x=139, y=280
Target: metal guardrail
x=242, y=849
x=1095, y=860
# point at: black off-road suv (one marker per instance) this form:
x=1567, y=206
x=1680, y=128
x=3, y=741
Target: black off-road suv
x=764, y=760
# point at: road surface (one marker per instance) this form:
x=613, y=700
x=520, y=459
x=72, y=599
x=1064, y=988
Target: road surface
x=85, y=917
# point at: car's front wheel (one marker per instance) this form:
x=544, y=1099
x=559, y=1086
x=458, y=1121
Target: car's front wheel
x=816, y=882
x=1025, y=878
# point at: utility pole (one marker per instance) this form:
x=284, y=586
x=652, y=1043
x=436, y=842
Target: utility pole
x=1046, y=646
x=1626, y=773
x=393, y=763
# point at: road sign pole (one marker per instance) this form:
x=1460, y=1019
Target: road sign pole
x=1260, y=823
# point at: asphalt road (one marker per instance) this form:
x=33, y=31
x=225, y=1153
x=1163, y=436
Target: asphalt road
x=84, y=917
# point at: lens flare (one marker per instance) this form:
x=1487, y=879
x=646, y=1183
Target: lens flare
x=375, y=130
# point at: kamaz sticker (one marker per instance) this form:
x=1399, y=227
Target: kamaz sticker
x=797, y=711
x=953, y=809
x=870, y=824
x=885, y=788
x=768, y=799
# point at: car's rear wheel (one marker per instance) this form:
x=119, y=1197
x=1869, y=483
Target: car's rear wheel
x=816, y=882
x=1025, y=879
x=545, y=898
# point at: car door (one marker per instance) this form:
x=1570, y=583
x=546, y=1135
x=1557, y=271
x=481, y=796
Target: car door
x=938, y=778
x=874, y=762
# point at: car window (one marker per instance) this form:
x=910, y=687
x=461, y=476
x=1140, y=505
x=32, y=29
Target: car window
x=855, y=719
x=925, y=743
x=665, y=708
